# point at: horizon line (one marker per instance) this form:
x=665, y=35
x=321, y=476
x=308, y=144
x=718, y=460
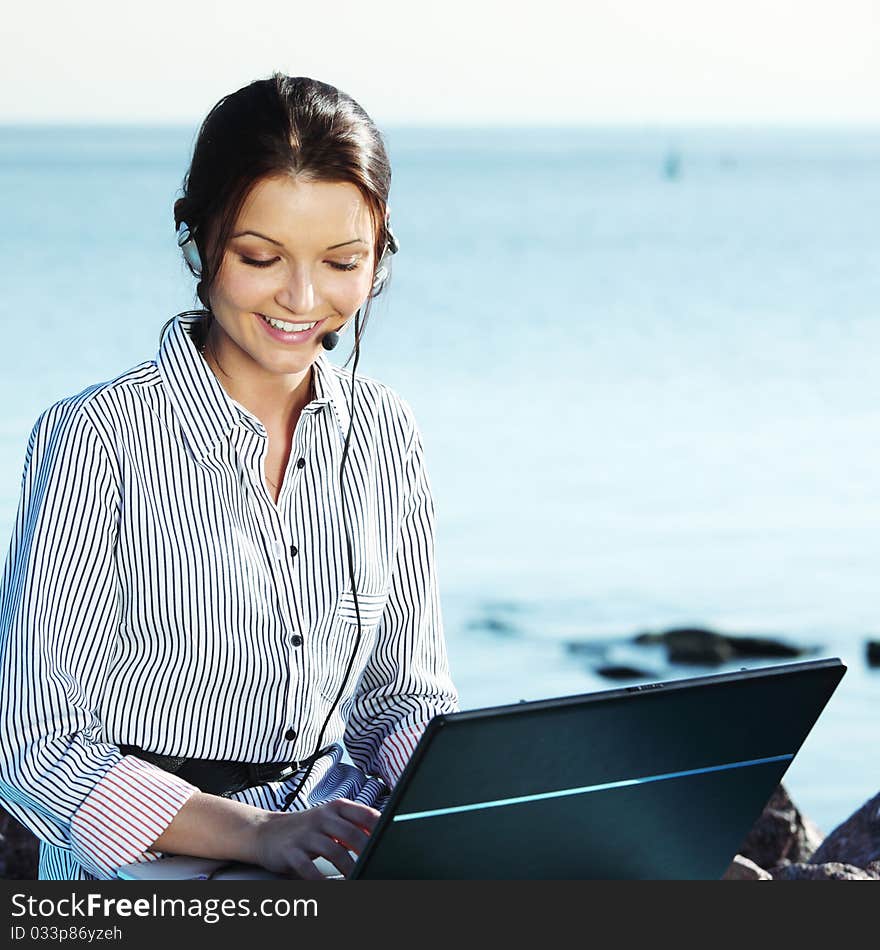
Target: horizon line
x=477, y=125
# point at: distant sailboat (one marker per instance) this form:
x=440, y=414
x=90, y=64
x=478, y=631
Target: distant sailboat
x=672, y=165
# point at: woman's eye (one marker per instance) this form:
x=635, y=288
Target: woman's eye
x=253, y=262
x=250, y=261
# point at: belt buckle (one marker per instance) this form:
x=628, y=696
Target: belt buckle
x=302, y=763
x=293, y=767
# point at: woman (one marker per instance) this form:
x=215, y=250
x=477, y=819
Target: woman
x=221, y=577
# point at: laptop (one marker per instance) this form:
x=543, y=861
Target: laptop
x=663, y=780
x=656, y=781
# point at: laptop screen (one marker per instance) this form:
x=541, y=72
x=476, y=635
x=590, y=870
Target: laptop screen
x=650, y=782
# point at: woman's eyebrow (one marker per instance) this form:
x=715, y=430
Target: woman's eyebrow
x=279, y=244
x=352, y=241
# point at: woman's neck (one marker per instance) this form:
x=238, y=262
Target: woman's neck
x=275, y=399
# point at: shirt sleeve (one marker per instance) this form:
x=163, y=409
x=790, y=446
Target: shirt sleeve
x=59, y=606
x=406, y=680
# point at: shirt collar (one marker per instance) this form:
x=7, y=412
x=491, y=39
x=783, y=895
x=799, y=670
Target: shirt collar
x=207, y=413
x=329, y=391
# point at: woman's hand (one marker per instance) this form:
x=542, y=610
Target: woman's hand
x=287, y=842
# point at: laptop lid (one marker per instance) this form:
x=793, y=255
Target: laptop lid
x=662, y=780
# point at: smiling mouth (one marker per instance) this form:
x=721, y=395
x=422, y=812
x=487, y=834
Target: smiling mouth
x=287, y=327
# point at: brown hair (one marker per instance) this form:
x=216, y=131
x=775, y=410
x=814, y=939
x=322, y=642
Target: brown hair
x=276, y=126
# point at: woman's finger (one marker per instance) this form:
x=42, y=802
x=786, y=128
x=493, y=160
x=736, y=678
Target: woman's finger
x=361, y=815
x=353, y=837
x=338, y=856
x=305, y=868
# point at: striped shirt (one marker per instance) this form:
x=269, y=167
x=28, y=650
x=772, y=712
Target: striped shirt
x=155, y=594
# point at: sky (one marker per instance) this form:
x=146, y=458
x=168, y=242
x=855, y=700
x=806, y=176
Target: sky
x=461, y=62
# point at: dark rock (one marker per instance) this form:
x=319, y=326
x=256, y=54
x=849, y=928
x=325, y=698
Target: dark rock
x=708, y=648
x=831, y=871
x=872, y=652
x=19, y=850
x=782, y=835
x=648, y=638
x=855, y=841
x=742, y=869
x=697, y=646
x=764, y=646
x=621, y=672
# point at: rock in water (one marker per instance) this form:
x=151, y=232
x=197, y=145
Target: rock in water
x=693, y=645
x=855, y=841
x=620, y=672
x=708, y=648
x=872, y=652
x=782, y=835
x=763, y=646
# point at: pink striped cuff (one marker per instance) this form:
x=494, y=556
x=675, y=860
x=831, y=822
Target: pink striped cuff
x=396, y=750
x=124, y=814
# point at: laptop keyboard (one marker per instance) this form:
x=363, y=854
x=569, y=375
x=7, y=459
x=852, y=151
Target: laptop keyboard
x=330, y=871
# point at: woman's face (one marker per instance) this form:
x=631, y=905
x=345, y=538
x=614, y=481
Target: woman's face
x=300, y=255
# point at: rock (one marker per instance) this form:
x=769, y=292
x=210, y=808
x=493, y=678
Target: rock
x=623, y=673
x=19, y=850
x=648, y=638
x=855, y=841
x=708, y=648
x=742, y=869
x=782, y=835
x=693, y=645
x=872, y=652
x=764, y=646
x=831, y=871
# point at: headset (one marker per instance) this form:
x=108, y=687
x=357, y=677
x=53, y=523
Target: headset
x=187, y=244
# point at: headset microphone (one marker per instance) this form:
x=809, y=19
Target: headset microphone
x=331, y=339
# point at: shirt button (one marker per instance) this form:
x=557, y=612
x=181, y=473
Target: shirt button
x=296, y=640
x=293, y=550
x=301, y=463
x=290, y=735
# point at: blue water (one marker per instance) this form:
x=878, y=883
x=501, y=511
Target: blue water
x=643, y=362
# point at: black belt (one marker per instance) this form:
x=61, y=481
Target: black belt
x=218, y=777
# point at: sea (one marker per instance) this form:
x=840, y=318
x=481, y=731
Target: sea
x=643, y=361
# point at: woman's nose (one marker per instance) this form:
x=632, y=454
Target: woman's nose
x=297, y=294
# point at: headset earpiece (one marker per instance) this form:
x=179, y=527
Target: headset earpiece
x=186, y=242
x=392, y=246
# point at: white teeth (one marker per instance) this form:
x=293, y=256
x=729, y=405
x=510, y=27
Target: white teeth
x=289, y=327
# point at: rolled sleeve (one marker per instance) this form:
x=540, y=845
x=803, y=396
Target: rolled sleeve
x=406, y=681
x=126, y=811
x=59, y=609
